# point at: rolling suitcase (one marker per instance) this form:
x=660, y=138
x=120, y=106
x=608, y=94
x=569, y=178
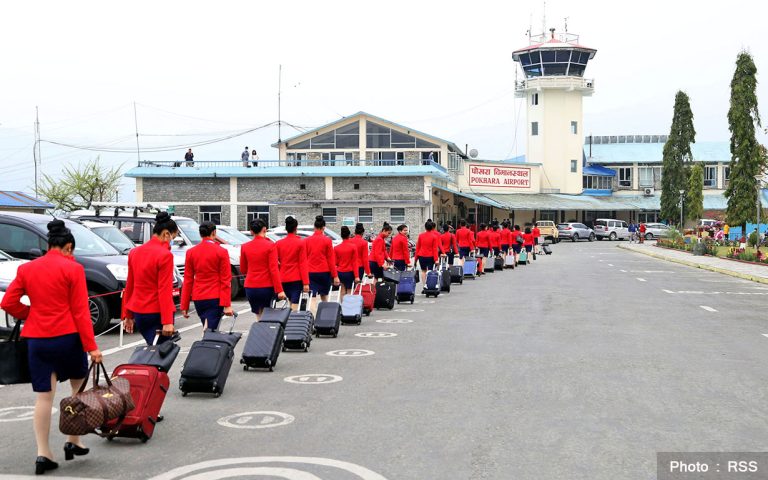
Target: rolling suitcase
x=432, y=284
x=410, y=273
x=352, y=307
x=391, y=275
x=547, y=250
x=509, y=260
x=445, y=276
x=263, y=345
x=149, y=385
x=498, y=263
x=386, y=293
x=276, y=315
x=488, y=265
x=456, y=274
x=298, y=330
x=368, y=291
x=470, y=267
x=209, y=361
x=159, y=356
x=406, y=289
x=328, y=316
x=522, y=258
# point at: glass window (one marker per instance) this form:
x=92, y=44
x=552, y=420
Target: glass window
x=17, y=241
x=576, y=70
x=401, y=140
x=575, y=128
x=257, y=211
x=114, y=237
x=330, y=215
x=365, y=215
x=726, y=173
x=352, y=128
x=574, y=166
x=300, y=145
x=534, y=128
x=377, y=141
x=533, y=71
x=645, y=175
x=425, y=144
x=625, y=177
x=347, y=141
x=371, y=127
x=133, y=230
x=190, y=229
x=548, y=56
x=563, y=56
x=326, y=140
x=535, y=57
x=548, y=215
x=525, y=59
x=534, y=99
x=710, y=177
x=397, y=215
x=210, y=213
x=555, y=69
x=430, y=157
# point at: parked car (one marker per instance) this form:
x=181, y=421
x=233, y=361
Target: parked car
x=231, y=236
x=24, y=236
x=656, y=230
x=137, y=222
x=8, y=267
x=305, y=231
x=707, y=222
x=611, y=229
x=575, y=231
x=549, y=231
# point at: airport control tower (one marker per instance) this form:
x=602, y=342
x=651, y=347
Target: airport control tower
x=554, y=85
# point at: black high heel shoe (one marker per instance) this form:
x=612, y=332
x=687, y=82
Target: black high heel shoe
x=43, y=464
x=70, y=450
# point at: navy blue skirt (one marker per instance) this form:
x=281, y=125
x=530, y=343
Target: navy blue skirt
x=62, y=355
x=260, y=298
x=210, y=311
x=320, y=283
x=505, y=248
x=427, y=263
x=484, y=252
x=400, y=265
x=463, y=252
x=376, y=269
x=293, y=291
x=347, y=279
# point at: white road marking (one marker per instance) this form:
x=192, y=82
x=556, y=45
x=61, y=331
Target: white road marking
x=699, y=292
x=314, y=379
x=241, y=312
x=765, y=334
x=350, y=352
x=19, y=414
x=640, y=279
x=668, y=291
x=610, y=264
x=254, y=420
x=214, y=466
x=623, y=271
x=375, y=334
x=394, y=320
x=255, y=472
x=409, y=310
x=709, y=309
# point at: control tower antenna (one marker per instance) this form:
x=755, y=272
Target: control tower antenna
x=566, y=24
x=544, y=19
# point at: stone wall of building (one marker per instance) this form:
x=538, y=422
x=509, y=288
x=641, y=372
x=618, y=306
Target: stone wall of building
x=280, y=189
x=170, y=190
x=378, y=188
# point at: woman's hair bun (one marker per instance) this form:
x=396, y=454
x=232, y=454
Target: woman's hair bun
x=162, y=217
x=57, y=227
x=319, y=217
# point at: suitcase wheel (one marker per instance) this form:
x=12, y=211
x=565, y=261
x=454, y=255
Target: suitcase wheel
x=283, y=347
x=245, y=368
x=217, y=395
x=271, y=369
x=183, y=394
x=144, y=439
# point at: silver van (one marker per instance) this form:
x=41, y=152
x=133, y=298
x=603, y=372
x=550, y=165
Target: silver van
x=611, y=229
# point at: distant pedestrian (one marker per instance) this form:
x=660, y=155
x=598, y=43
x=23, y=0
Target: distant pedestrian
x=642, y=229
x=255, y=158
x=245, y=156
x=632, y=232
x=726, y=230
x=189, y=158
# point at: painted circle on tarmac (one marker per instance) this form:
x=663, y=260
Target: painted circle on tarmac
x=350, y=352
x=19, y=414
x=254, y=420
x=424, y=302
x=289, y=468
x=376, y=334
x=394, y=320
x=409, y=310
x=314, y=379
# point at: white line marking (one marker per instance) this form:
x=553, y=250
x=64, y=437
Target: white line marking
x=668, y=291
x=640, y=279
x=142, y=342
x=709, y=309
x=765, y=334
x=241, y=312
x=623, y=271
x=610, y=264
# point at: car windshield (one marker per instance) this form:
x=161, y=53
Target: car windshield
x=115, y=237
x=601, y=223
x=563, y=225
x=87, y=243
x=232, y=237
x=190, y=228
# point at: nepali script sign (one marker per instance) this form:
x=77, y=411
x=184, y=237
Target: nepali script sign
x=497, y=176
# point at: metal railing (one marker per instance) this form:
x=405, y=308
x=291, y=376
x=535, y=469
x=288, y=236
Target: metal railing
x=555, y=82
x=290, y=163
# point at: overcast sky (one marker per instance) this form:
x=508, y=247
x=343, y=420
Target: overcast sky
x=203, y=70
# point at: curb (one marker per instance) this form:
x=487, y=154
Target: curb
x=724, y=271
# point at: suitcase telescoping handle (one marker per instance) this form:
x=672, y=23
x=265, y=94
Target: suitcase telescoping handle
x=174, y=338
x=284, y=302
x=305, y=299
x=337, y=290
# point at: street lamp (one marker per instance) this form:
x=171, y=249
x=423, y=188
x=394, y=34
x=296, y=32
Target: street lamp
x=682, y=196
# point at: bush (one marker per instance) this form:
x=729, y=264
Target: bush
x=752, y=240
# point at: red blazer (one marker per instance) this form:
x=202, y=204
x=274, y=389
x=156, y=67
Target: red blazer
x=320, y=256
x=427, y=245
x=149, y=288
x=346, y=256
x=483, y=239
x=436, y=234
x=465, y=238
x=258, y=262
x=399, y=249
x=515, y=234
x=57, y=291
x=506, y=236
x=207, y=275
x=448, y=241
x=362, y=252
x=292, y=255
x=536, y=232
x=528, y=239
x=495, y=238
x=379, y=252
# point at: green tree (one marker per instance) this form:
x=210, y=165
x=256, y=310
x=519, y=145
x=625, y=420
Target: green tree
x=694, y=201
x=677, y=151
x=747, y=158
x=80, y=186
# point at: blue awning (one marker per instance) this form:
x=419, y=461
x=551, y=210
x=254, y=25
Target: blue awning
x=599, y=170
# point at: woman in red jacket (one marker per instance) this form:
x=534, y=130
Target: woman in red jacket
x=258, y=262
x=465, y=239
x=495, y=239
x=449, y=244
x=207, y=279
x=321, y=261
x=347, y=262
x=58, y=332
x=427, y=248
x=528, y=240
x=362, y=251
x=292, y=255
x=484, y=247
x=536, y=237
x=148, y=296
x=399, y=251
x=379, y=255
x=506, y=238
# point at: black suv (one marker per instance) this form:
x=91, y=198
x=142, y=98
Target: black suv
x=24, y=235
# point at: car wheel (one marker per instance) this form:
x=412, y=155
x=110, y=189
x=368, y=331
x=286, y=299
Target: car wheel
x=99, y=312
x=649, y=236
x=591, y=237
x=575, y=237
x=235, y=285
x=612, y=236
x=599, y=238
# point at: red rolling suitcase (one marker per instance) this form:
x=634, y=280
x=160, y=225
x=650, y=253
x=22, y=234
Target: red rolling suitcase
x=368, y=291
x=148, y=388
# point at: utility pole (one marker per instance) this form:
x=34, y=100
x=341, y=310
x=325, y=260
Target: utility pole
x=136, y=125
x=36, y=149
x=279, y=91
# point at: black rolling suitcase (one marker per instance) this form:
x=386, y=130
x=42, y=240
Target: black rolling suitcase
x=456, y=273
x=207, y=366
x=298, y=330
x=498, y=263
x=385, y=296
x=391, y=275
x=547, y=249
x=263, y=345
x=276, y=315
x=328, y=317
x=445, y=276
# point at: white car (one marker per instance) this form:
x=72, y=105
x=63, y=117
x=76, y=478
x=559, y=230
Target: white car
x=656, y=230
x=305, y=231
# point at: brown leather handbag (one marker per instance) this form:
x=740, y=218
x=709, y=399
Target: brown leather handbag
x=88, y=411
